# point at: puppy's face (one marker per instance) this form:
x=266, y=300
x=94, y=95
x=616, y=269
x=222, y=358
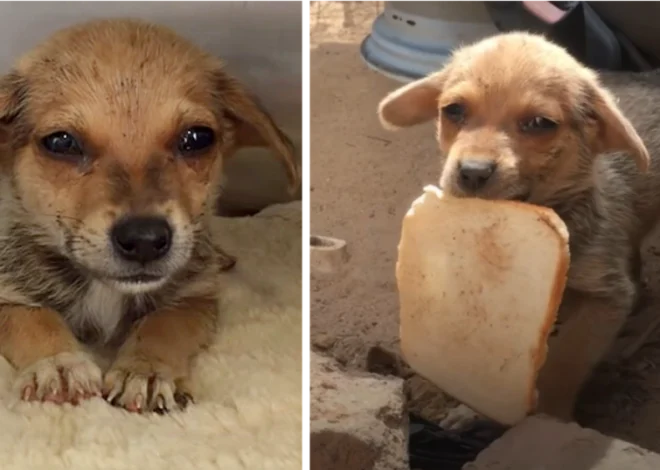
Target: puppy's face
x=517, y=118
x=116, y=133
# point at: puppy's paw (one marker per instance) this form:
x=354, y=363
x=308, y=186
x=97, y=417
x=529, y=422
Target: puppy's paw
x=460, y=418
x=63, y=378
x=468, y=423
x=141, y=386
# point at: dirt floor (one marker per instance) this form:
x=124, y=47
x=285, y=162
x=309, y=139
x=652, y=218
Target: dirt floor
x=363, y=179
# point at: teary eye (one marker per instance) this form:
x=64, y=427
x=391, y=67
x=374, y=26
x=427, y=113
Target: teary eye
x=537, y=124
x=62, y=144
x=455, y=112
x=195, y=140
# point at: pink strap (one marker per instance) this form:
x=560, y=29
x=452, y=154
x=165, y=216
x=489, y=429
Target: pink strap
x=545, y=11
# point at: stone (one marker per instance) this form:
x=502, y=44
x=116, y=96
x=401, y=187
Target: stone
x=357, y=421
x=541, y=443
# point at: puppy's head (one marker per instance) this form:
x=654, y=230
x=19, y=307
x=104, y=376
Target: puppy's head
x=116, y=131
x=517, y=118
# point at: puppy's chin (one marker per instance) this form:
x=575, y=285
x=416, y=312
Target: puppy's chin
x=137, y=285
x=126, y=277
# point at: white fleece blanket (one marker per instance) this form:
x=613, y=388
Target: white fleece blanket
x=248, y=411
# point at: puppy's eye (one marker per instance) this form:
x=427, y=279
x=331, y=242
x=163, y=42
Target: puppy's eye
x=538, y=124
x=455, y=112
x=195, y=140
x=62, y=143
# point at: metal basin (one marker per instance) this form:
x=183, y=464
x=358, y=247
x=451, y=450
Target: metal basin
x=409, y=40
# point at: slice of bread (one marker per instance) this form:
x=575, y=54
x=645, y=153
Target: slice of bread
x=480, y=284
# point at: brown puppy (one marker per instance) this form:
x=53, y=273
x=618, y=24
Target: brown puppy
x=519, y=118
x=113, y=136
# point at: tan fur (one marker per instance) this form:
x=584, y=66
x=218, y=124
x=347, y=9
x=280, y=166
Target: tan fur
x=126, y=90
x=593, y=169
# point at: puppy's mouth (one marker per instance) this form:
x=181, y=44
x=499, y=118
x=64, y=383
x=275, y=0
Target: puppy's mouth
x=136, y=281
x=494, y=196
x=137, y=284
x=521, y=198
x=138, y=278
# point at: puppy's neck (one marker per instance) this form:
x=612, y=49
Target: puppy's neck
x=584, y=214
x=564, y=203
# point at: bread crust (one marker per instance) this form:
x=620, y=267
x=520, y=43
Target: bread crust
x=559, y=282
x=544, y=215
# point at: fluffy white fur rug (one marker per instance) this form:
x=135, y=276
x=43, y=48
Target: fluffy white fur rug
x=248, y=413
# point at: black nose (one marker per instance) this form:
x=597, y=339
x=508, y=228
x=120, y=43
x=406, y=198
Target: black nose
x=142, y=239
x=474, y=174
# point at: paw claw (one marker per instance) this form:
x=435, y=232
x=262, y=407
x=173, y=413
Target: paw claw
x=113, y=399
x=141, y=387
x=28, y=393
x=137, y=404
x=160, y=407
x=57, y=379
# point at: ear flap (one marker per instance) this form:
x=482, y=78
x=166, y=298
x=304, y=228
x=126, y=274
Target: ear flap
x=12, y=96
x=616, y=133
x=13, y=92
x=255, y=127
x=412, y=104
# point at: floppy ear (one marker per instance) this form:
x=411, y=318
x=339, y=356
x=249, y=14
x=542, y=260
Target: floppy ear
x=412, y=104
x=12, y=96
x=255, y=127
x=13, y=93
x=615, y=132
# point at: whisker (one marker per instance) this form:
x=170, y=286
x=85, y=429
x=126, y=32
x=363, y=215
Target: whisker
x=59, y=216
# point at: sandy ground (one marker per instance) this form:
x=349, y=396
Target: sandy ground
x=363, y=179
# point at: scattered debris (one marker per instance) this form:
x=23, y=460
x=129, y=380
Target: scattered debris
x=358, y=422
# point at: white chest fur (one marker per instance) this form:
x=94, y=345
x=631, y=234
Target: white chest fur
x=101, y=308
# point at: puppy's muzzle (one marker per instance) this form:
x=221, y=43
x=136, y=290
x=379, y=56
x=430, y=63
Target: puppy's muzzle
x=473, y=175
x=142, y=239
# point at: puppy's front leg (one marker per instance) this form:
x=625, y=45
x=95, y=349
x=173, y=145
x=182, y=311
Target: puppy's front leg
x=590, y=327
x=153, y=366
x=50, y=362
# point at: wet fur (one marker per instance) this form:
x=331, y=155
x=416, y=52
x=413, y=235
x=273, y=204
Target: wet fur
x=595, y=171
x=129, y=87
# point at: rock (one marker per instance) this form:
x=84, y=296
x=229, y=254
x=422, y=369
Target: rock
x=328, y=255
x=358, y=422
x=540, y=443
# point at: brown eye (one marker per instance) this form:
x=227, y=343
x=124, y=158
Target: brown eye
x=62, y=144
x=455, y=112
x=195, y=139
x=538, y=124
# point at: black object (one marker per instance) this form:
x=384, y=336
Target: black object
x=432, y=448
x=581, y=31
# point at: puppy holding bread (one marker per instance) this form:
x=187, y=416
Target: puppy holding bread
x=113, y=135
x=530, y=138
